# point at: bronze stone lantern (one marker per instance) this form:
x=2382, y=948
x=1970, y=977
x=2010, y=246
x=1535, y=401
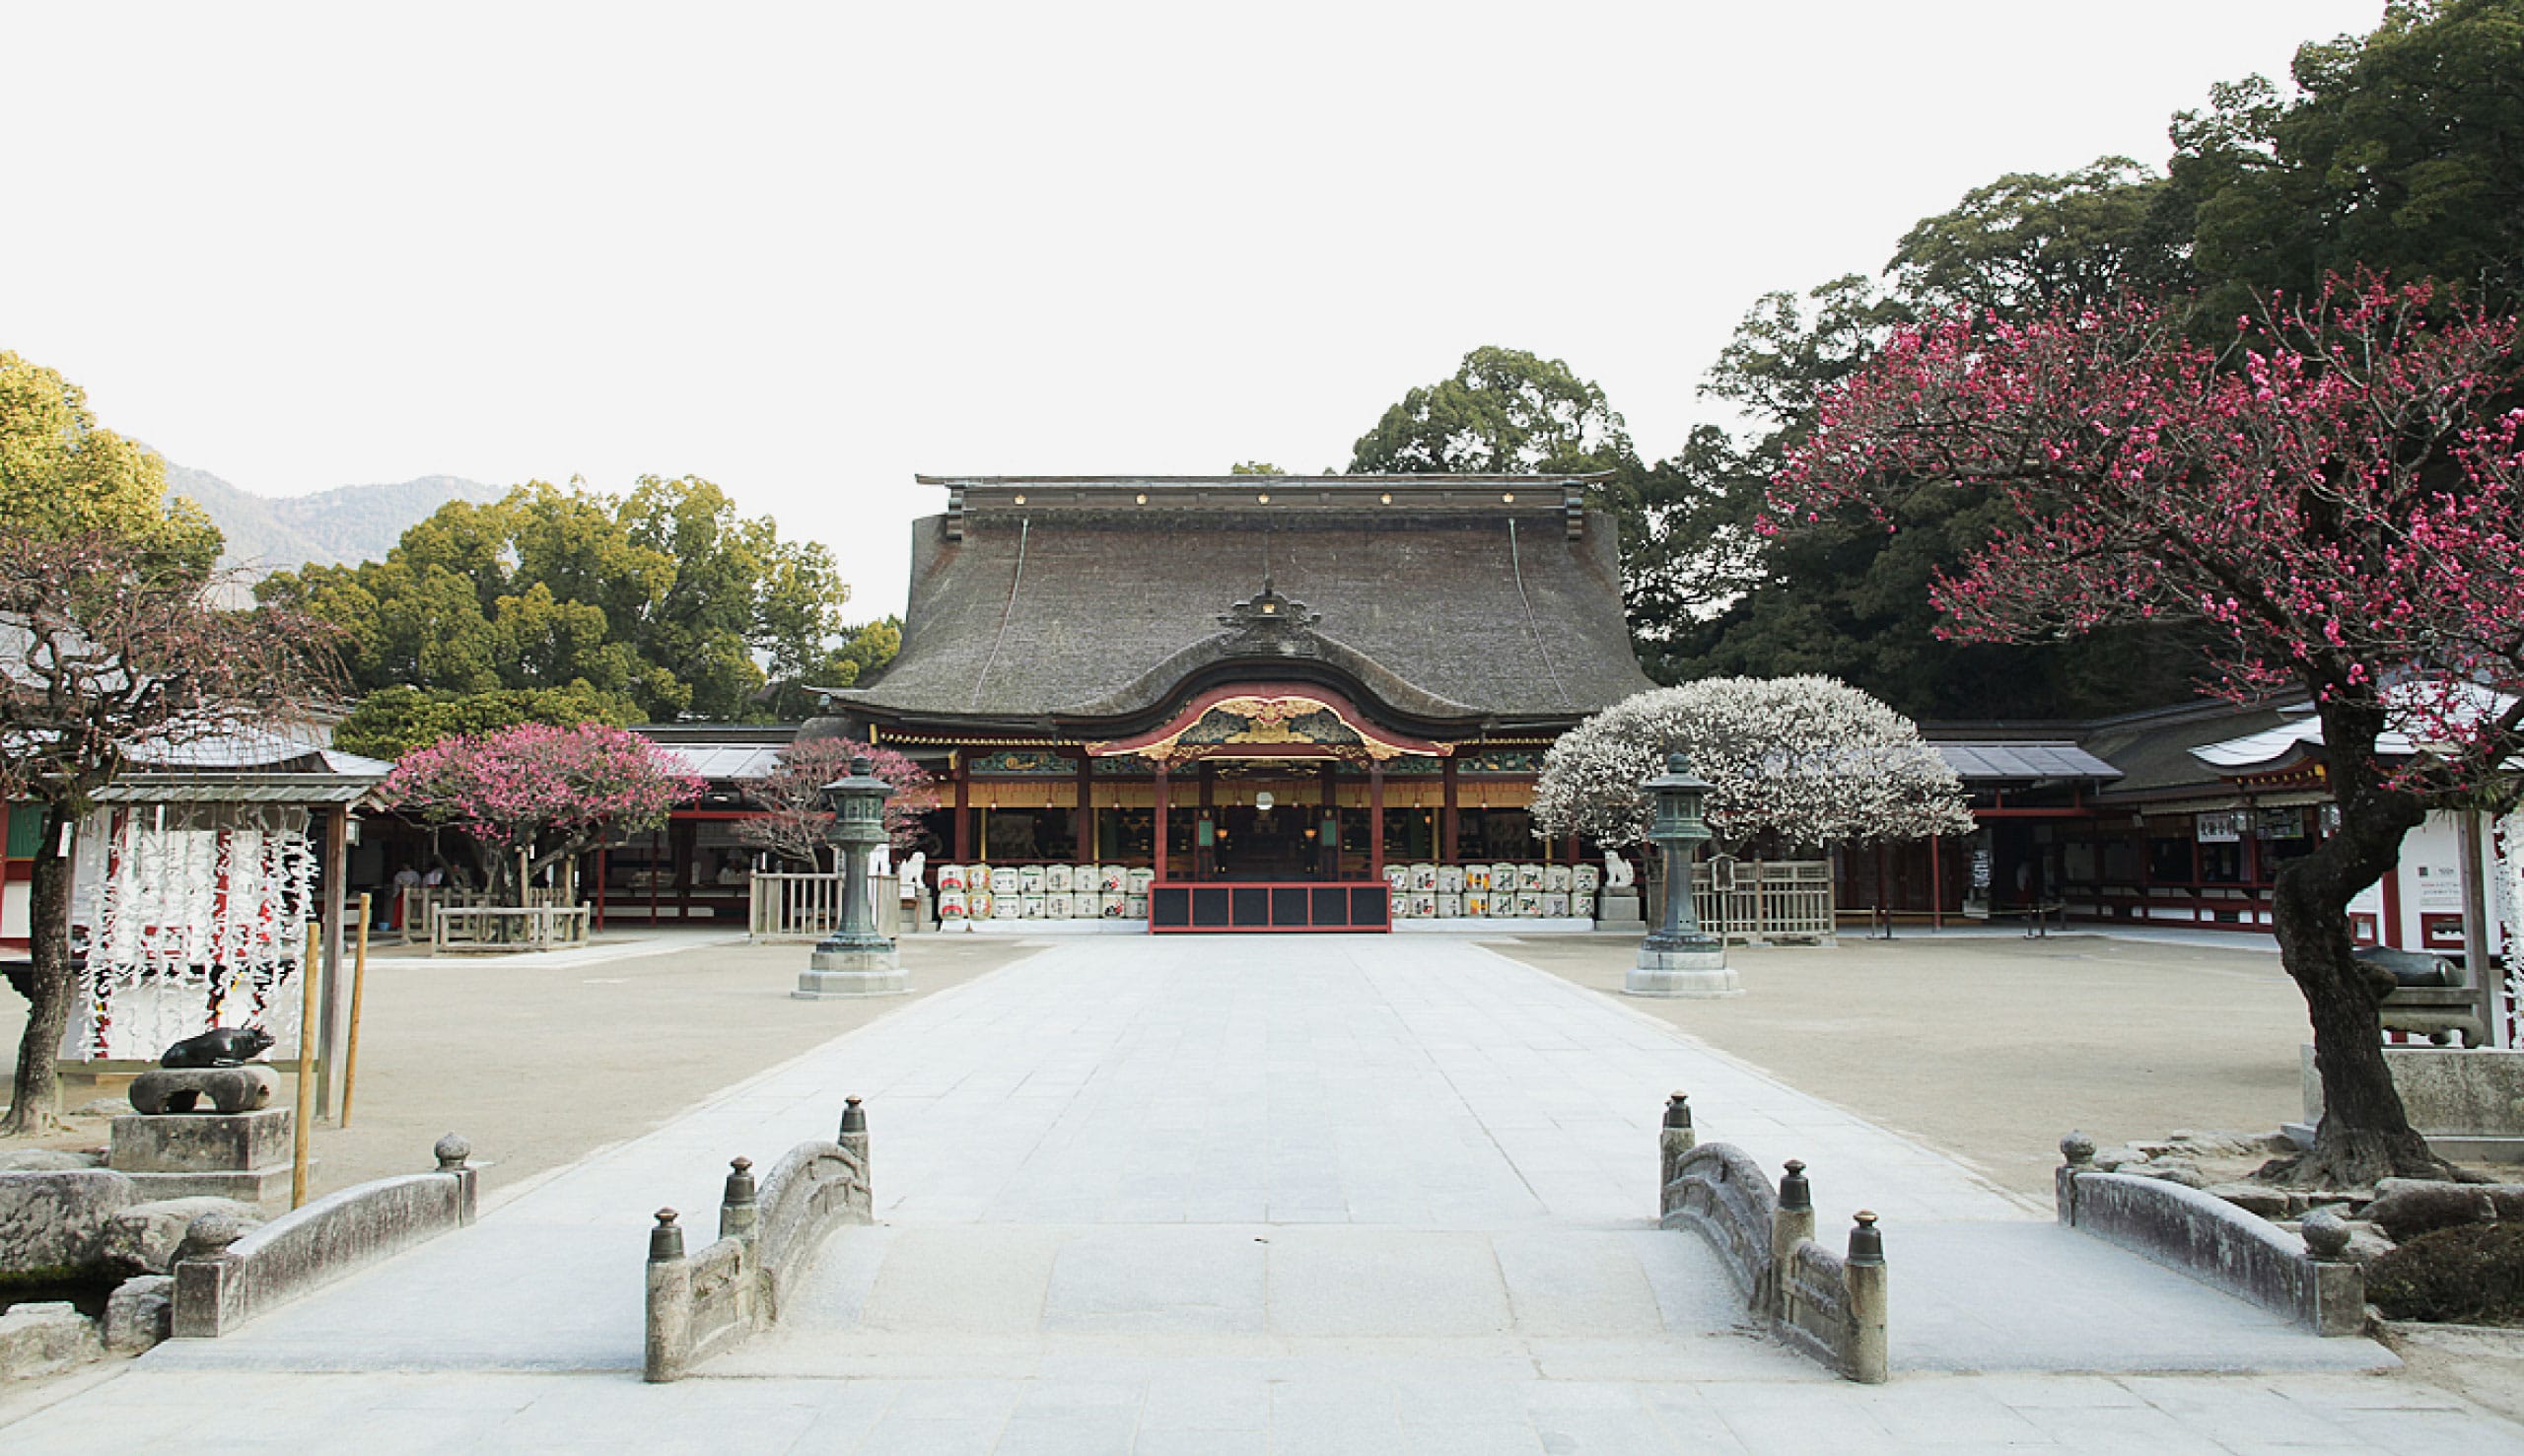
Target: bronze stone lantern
x=857, y=805
x=1678, y=829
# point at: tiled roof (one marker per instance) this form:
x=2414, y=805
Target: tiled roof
x=2014, y=761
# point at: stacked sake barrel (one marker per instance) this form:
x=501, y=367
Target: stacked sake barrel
x=1000, y=892
x=1499, y=891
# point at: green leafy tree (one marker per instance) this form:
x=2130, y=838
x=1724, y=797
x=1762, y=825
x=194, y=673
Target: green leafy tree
x=394, y=721
x=1508, y=412
x=666, y=597
x=2401, y=150
x=2029, y=241
x=63, y=476
x=1504, y=411
x=1255, y=467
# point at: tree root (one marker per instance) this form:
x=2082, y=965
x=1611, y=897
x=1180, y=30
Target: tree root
x=2356, y=1160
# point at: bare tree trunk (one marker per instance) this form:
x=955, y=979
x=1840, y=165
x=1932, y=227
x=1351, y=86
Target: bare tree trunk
x=2366, y=1134
x=36, y=1093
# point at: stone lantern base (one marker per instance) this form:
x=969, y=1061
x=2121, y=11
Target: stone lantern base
x=832, y=974
x=1689, y=972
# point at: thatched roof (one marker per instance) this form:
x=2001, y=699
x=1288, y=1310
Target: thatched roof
x=1035, y=599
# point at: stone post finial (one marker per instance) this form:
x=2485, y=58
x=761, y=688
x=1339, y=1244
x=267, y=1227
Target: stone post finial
x=1794, y=1190
x=1678, y=1111
x=208, y=1236
x=737, y=1212
x=2077, y=1149
x=665, y=1241
x=854, y=1117
x=452, y=1150
x=2325, y=1234
x=1866, y=1241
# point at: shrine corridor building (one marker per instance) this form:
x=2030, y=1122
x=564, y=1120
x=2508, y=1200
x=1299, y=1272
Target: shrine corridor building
x=1280, y=683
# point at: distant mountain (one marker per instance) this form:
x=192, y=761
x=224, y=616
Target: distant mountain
x=344, y=524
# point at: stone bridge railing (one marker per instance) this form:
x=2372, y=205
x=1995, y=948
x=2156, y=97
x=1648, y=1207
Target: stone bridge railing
x=1829, y=1306
x=226, y=1276
x=768, y=1238
x=2306, y=1278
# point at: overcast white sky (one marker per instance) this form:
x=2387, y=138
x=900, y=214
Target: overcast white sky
x=806, y=250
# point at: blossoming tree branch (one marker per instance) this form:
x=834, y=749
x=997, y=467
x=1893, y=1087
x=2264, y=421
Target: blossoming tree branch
x=2338, y=503
x=548, y=793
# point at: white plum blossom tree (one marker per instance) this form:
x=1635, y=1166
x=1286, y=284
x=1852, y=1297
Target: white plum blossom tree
x=1793, y=763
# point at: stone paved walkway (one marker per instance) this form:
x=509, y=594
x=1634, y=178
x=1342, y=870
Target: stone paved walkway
x=1308, y=1195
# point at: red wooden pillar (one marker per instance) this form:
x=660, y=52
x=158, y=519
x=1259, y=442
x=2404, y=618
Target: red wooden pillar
x=1204, y=862
x=1327, y=851
x=1161, y=840
x=963, y=809
x=1375, y=818
x=1446, y=816
x=1082, y=835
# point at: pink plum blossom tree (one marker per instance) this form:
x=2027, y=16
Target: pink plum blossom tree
x=794, y=820
x=548, y=793
x=1793, y=763
x=2337, y=501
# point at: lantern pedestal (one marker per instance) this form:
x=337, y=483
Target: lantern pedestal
x=1682, y=973
x=832, y=974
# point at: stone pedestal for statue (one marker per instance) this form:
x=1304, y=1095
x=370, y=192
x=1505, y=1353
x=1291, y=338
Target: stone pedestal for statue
x=1618, y=910
x=1697, y=971
x=237, y=1147
x=832, y=974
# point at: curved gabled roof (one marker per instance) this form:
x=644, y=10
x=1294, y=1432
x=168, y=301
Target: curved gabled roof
x=1039, y=599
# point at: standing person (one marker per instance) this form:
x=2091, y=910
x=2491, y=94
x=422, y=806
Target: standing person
x=406, y=880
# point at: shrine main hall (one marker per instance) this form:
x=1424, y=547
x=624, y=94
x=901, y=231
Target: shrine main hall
x=1253, y=694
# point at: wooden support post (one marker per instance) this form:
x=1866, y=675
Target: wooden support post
x=359, y=988
x=2476, y=941
x=1205, y=861
x=1083, y=832
x=1937, y=885
x=301, y=1126
x=1161, y=841
x=1328, y=823
x=1446, y=816
x=337, y=869
x=963, y=809
x=1376, y=819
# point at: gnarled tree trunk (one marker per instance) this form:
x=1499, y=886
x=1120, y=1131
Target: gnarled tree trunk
x=36, y=1093
x=2366, y=1134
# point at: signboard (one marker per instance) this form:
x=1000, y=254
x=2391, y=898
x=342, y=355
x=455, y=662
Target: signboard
x=2225, y=826
x=2439, y=887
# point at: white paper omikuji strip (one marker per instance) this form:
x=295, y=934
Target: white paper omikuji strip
x=2506, y=839
x=190, y=916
